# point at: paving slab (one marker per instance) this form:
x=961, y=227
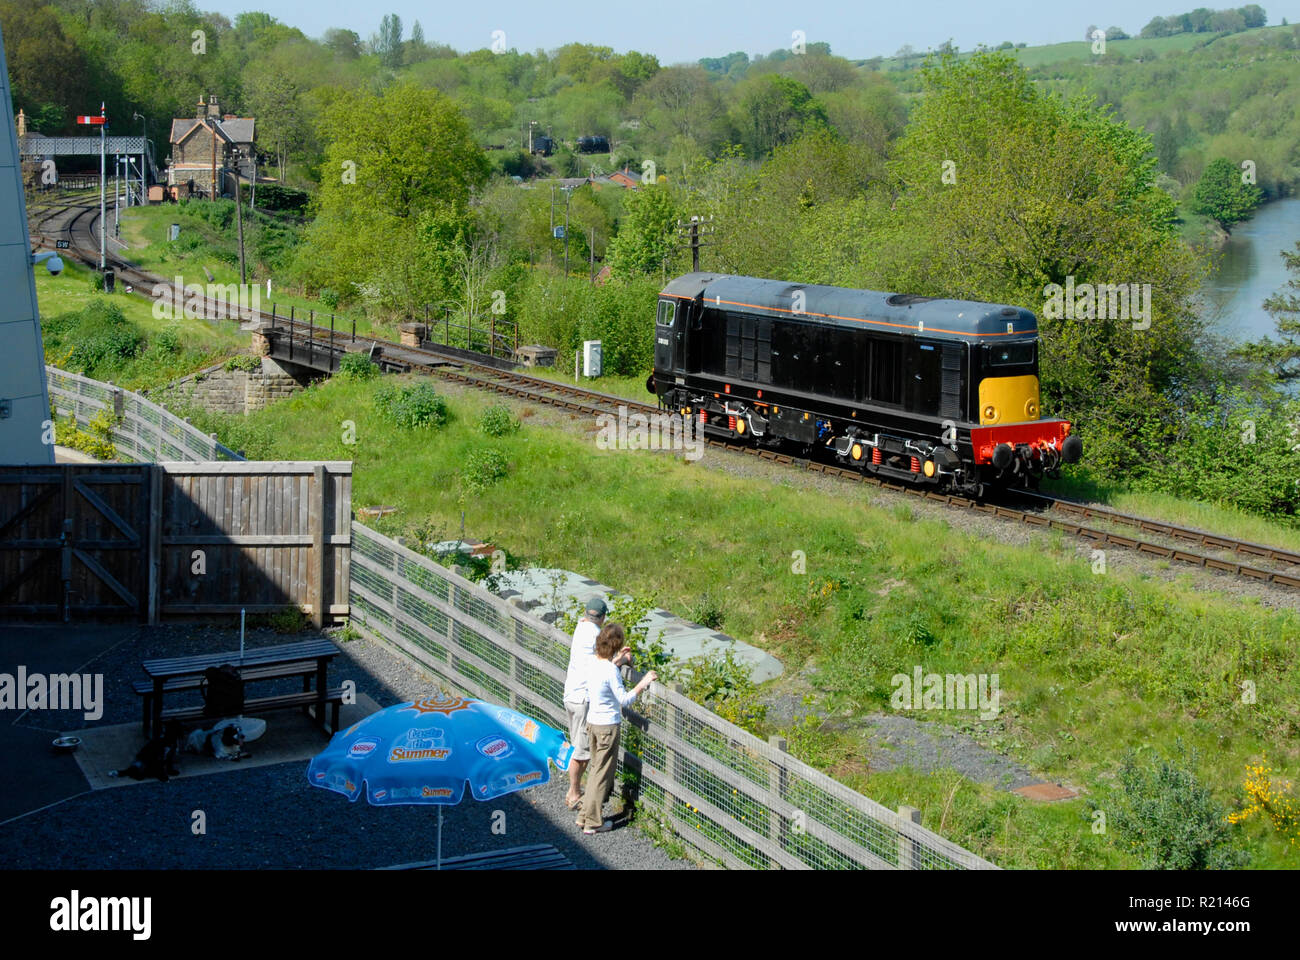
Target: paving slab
x=289, y=736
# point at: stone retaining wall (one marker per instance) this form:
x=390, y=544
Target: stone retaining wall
x=241, y=391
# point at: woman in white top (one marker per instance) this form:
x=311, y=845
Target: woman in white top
x=606, y=700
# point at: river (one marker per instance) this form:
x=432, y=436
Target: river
x=1250, y=270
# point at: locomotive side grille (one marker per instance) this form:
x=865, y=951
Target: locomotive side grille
x=733, y=345
x=950, y=389
x=749, y=348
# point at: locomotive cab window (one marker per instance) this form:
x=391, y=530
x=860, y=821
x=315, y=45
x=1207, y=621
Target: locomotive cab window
x=667, y=309
x=1011, y=354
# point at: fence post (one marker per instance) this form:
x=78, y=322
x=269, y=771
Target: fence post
x=291, y=331
x=155, y=543
x=777, y=785
x=311, y=336
x=909, y=853
x=518, y=637
x=331, y=343
x=675, y=725
x=316, y=515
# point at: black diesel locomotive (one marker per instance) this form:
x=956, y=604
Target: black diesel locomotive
x=931, y=391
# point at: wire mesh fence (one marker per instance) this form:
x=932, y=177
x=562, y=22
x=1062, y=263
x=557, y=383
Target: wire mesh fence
x=142, y=431
x=732, y=796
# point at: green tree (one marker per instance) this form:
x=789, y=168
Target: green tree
x=391, y=160
x=646, y=239
x=771, y=110
x=388, y=44
x=1002, y=190
x=1222, y=195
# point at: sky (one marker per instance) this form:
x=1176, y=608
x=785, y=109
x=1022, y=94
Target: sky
x=678, y=31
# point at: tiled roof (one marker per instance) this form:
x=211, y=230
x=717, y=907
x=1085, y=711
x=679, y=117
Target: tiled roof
x=236, y=130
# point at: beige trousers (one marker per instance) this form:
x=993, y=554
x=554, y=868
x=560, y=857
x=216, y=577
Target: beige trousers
x=603, y=739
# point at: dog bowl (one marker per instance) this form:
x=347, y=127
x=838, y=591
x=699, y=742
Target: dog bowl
x=66, y=744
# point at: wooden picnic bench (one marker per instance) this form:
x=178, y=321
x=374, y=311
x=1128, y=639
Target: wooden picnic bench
x=308, y=659
x=538, y=856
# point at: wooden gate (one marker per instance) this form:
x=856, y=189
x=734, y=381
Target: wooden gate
x=148, y=541
x=72, y=538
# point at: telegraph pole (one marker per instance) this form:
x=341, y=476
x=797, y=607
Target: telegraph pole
x=692, y=233
x=239, y=222
x=567, y=194
x=103, y=146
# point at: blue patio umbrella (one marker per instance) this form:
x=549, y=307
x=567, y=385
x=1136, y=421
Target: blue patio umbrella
x=427, y=751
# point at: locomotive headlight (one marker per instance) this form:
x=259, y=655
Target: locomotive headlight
x=1031, y=409
x=990, y=413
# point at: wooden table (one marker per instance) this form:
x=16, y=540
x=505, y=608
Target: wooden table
x=308, y=659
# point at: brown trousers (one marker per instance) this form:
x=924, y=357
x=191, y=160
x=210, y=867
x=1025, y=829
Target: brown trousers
x=603, y=740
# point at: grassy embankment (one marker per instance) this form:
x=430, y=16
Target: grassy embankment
x=202, y=244
x=1091, y=667
x=199, y=343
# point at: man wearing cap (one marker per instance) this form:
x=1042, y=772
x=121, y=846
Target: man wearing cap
x=575, y=694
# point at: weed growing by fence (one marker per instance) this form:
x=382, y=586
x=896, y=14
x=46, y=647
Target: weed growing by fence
x=96, y=440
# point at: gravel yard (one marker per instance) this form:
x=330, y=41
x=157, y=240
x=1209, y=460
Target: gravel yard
x=270, y=817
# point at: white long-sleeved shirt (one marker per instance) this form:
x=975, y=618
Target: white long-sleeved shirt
x=606, y=692
x=582, y=650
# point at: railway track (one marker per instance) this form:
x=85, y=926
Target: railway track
x=1153, y=538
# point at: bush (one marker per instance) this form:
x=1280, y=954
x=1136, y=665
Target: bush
x=1169, y=818
x=330, y=298
x=412, y=405
x=482, y=468
x=244, y=362
x=357, y=366
x=707, y=611
x=497, y=421
x=274, y=197
x=165, y=342
x=96, y=439
x=98, y=334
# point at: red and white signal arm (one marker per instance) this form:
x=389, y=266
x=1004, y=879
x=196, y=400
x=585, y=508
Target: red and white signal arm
x=94, y=120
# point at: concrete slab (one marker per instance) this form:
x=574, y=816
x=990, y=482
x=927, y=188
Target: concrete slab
x=289, y=736
x=544, y=590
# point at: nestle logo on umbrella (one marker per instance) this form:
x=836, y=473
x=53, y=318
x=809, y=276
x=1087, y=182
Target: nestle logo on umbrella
x=495, y=747
x=380, y=794
x=363, y=748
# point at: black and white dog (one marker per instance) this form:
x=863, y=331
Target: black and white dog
x=225, y=741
